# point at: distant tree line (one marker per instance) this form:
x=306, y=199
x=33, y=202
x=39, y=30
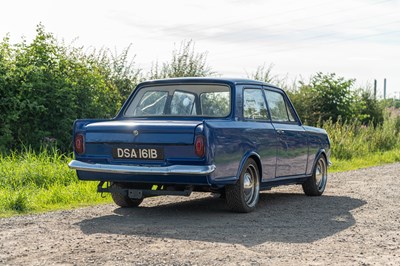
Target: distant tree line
x=45, y=85
x=328, y=97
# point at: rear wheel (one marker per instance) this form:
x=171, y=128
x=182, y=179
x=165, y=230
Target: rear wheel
x=243, y=196
x=315, y=184
x=121, y=198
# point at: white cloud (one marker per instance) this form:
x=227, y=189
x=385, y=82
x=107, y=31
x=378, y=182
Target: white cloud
x=356, y=39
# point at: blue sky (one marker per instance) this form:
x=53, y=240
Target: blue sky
x=355, y=39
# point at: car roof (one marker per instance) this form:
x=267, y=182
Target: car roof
x=233, y=81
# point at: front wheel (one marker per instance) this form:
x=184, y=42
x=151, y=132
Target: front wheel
x=315, y=184
x=243, y=196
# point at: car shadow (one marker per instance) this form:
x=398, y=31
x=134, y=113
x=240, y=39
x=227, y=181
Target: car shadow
x=280, y=217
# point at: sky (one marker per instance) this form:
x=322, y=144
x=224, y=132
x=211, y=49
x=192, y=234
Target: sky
x=357, y=39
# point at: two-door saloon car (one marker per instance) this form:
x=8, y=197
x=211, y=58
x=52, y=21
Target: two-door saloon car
x=235, y=137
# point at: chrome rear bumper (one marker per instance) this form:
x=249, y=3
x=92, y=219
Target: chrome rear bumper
x=143, y=170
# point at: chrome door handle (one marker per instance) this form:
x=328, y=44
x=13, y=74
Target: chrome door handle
x=279, y=131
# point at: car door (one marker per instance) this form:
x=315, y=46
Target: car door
x=292, y=139
x=259, y=133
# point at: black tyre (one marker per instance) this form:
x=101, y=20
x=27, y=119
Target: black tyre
x=243, y=196
x=315, y=184
x=122, y=199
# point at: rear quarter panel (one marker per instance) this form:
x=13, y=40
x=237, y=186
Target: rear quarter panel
x=232, y=142
x=318, y=142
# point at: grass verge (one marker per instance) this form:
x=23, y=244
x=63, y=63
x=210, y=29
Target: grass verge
x=39, y=182
x=371, y=159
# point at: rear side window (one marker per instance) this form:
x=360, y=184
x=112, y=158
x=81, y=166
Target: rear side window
x=279, y=108
x=254, y=107
x=215, y=103
x=183, y=103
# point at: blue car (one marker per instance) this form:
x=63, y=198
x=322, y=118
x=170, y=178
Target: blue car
x=234, y=137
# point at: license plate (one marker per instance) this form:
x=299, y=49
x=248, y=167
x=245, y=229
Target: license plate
x=138, y=153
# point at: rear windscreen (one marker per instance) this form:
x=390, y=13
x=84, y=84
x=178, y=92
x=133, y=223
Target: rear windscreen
x=181, y=100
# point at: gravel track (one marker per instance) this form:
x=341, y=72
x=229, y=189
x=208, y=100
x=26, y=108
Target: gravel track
x=355, y=222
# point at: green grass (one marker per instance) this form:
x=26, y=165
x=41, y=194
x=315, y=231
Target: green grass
x=37, y=182
x=371, y=159
x=354, y=140
x=356, y=146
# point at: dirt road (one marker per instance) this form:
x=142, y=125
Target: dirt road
x=356, y=222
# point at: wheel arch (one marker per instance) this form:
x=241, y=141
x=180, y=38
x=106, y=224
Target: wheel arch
x=311, y=162
x=323, y=153
x=256, y=157
x=313, y=185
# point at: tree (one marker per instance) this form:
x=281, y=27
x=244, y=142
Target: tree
x=185, y=62
x=371, y=110
x=325, y=97
x=264, y=73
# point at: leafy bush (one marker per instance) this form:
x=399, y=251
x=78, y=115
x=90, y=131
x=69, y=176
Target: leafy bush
x=45, y=86
x=325, y=97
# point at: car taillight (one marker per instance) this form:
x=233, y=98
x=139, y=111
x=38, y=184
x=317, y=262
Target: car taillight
x=79, y=144
x=199, y=146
